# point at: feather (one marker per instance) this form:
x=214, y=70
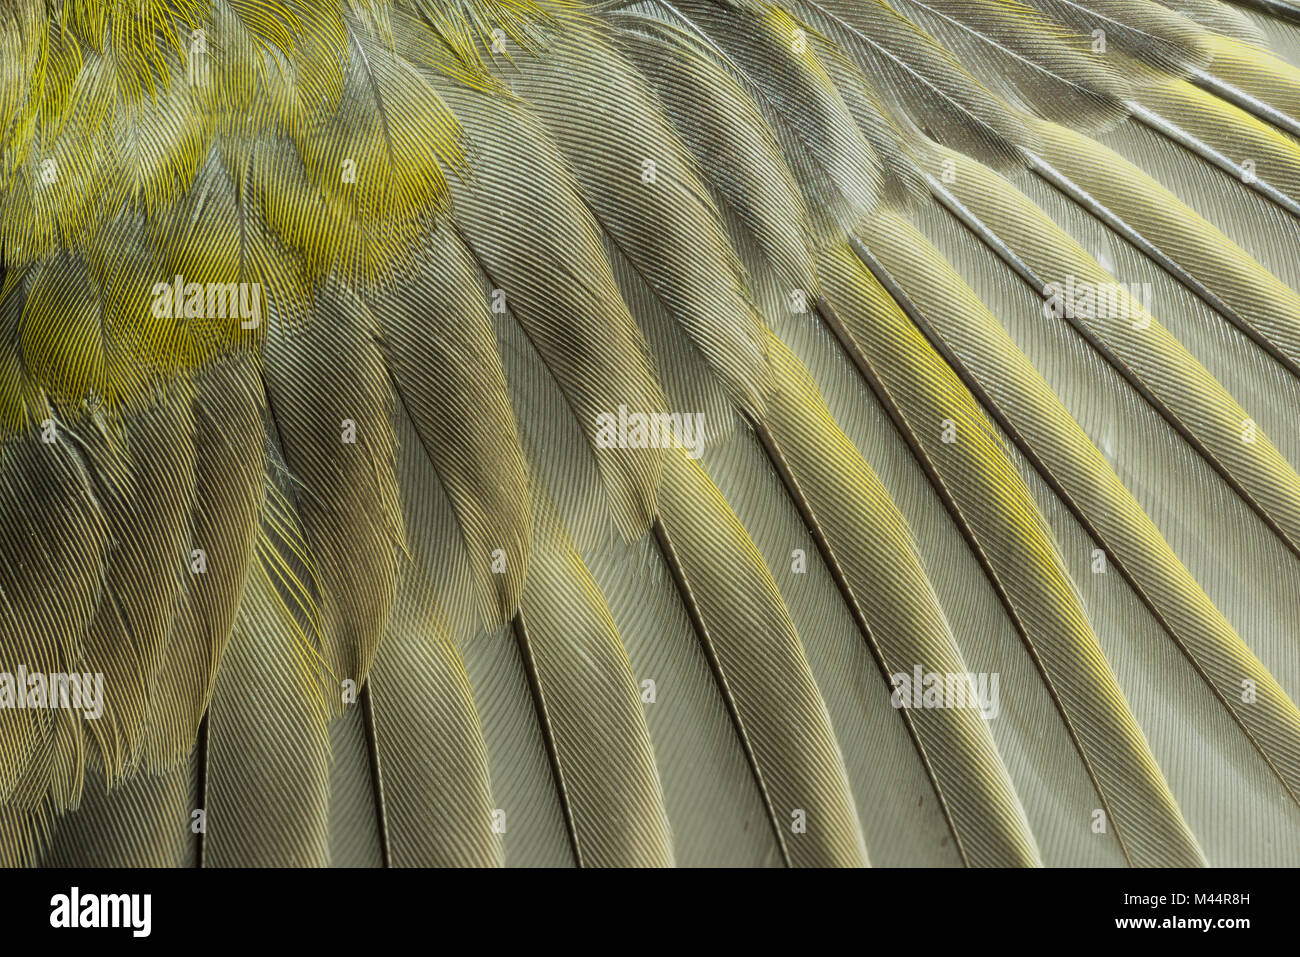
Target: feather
x=331, y=406
x=685, y=377
x=638, y=179
x=528, y=814
x=1220, y=18
x=612, y=797
x=62, y=330
x=266, y=781
x=348, y=565
x=147, y=822
x=358, y=819
x=354, y=191
x=1279, y=8
x=440, y=321
x=1028, y=58
x=144, y=479
x=1182, y=242
x=1140, y=28
x=545, y=257
x=769, y=54
x=1132, y=341
x=841, y=498
x=421, y=808
x=437, y=806
x=46, y=629
x=980, y=485
x=918, y=78
x=1218, y=132
x=1253, y=80
x=999, y=374
x=229, y=470
x=760, y=667
x=23, y=836
x=718, y=817
x=739, y=155
x=898, y=816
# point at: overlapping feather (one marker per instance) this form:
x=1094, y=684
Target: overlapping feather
x=442, y=618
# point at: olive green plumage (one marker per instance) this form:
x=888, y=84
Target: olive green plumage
x=530, y=432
